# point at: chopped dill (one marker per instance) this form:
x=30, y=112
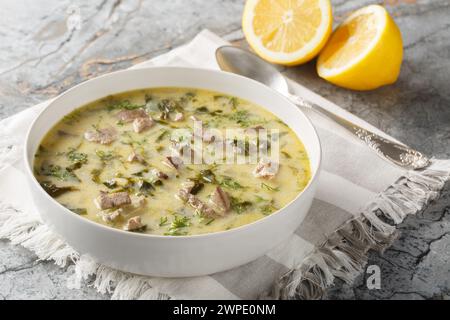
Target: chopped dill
x=123, y=105
x=229, y=183
x=269, y=188
x=162, y=135
x=178, y=225
x=72, y=117
x=53, y=190
x=77, y=157
x=106, y=155
x=58, y=172
x=287, y=155
x=240, y=206
x=95, y=175
x=79, y=211
x=162, y=221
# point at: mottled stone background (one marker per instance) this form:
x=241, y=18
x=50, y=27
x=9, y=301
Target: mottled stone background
x=40, y=57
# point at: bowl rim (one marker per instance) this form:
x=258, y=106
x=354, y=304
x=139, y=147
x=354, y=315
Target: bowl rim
x=266, y=219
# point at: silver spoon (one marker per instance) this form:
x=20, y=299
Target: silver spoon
x=245, y=63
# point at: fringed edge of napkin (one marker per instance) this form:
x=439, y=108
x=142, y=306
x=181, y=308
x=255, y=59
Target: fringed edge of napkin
x=28, y=231
x=344, y=254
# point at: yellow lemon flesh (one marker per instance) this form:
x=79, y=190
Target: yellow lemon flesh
x=364, y=52
x=288, y=32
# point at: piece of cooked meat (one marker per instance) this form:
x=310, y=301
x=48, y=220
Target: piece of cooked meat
x=266, y=168
x=110, y=216
x=134, y=224
x=201, y=207
x=221, y=200
x=112, y=200
x=117, y=182
x=159, y=174
x=183, y=195
x=173, y=162
x=130, y=115
x=135, y=157
x=137, y=202
x=178, y=117
x=186, y=188
x=141, y=124
x=102, y=136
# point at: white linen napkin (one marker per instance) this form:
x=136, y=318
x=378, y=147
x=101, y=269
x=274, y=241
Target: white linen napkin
x=356, y=188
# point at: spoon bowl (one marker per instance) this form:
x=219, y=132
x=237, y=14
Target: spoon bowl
x=247, y=64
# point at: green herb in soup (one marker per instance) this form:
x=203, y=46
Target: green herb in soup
x=129, y=161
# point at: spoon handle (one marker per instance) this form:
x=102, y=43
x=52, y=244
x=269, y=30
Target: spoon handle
x=395, y=153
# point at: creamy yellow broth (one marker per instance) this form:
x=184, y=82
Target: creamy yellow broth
x=75, y=170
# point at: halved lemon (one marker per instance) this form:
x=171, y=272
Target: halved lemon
x=364, y=52
x=287, y=32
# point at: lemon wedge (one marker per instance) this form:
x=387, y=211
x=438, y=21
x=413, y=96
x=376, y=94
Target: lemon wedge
x=364, y=52
x=287, y=32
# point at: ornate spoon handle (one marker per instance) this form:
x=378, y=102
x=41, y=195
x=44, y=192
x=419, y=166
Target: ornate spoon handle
x=396, y=153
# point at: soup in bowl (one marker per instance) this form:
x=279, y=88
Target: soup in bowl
x=157, y=171
x=127, y=161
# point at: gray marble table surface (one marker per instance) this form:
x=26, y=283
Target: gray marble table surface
x=40, y=57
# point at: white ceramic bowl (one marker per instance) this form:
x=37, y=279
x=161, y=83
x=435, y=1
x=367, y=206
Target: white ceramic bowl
x=172, y=256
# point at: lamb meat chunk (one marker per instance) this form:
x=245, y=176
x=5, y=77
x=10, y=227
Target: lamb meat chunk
x=201, y=207
x=183, y=195
x=209, y=212
x=110, y=216
x=102, y=136
x=178, y=117
x=173, y=162
x=134, y=224
x=185, y=191
x=221, y=200
x=137, y=202
x=135, y=157
x=266, y=168
x=130, y=115
x=112, y=200
x=141, y=124
x=159, y=174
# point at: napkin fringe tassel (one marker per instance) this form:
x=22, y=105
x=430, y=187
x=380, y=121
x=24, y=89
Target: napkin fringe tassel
x=28, y=231
x=120, y=285
x=344, y=254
